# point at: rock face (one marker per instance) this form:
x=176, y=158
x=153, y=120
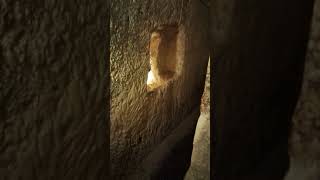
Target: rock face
x=54, y=94
x=200, y=161
x=259, y=52
x=53, y=81
x=152, y=127
x=305, y=140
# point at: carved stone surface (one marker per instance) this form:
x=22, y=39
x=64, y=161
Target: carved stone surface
x=152, y=133
x=53, y=98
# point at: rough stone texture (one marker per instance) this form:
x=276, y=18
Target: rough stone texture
x=200, y=160
x=152, y=133
x=258, y=49
x=53, y=80
x=305, y=140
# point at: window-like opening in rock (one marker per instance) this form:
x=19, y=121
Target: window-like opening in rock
x=200, y=160
x=163, y=56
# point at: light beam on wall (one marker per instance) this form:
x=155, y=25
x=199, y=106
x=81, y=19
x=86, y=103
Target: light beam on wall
x=150, y=79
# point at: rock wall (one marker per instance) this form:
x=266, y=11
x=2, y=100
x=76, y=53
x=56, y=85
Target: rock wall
x=200, y=161
x=53, y=99
x=259, y=50
x=305, y=140
x=152, y=132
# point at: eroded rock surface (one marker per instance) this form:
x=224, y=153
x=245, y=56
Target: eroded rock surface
x=152, y=132
x=200, y=160
x=53, y=77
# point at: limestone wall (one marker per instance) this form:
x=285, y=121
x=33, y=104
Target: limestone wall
x=152, y=132
x=53, y=78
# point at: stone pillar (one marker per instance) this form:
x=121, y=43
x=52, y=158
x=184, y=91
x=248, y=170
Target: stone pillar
x=258, y=52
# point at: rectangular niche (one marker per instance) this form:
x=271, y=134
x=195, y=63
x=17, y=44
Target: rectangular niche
x=164, y=56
